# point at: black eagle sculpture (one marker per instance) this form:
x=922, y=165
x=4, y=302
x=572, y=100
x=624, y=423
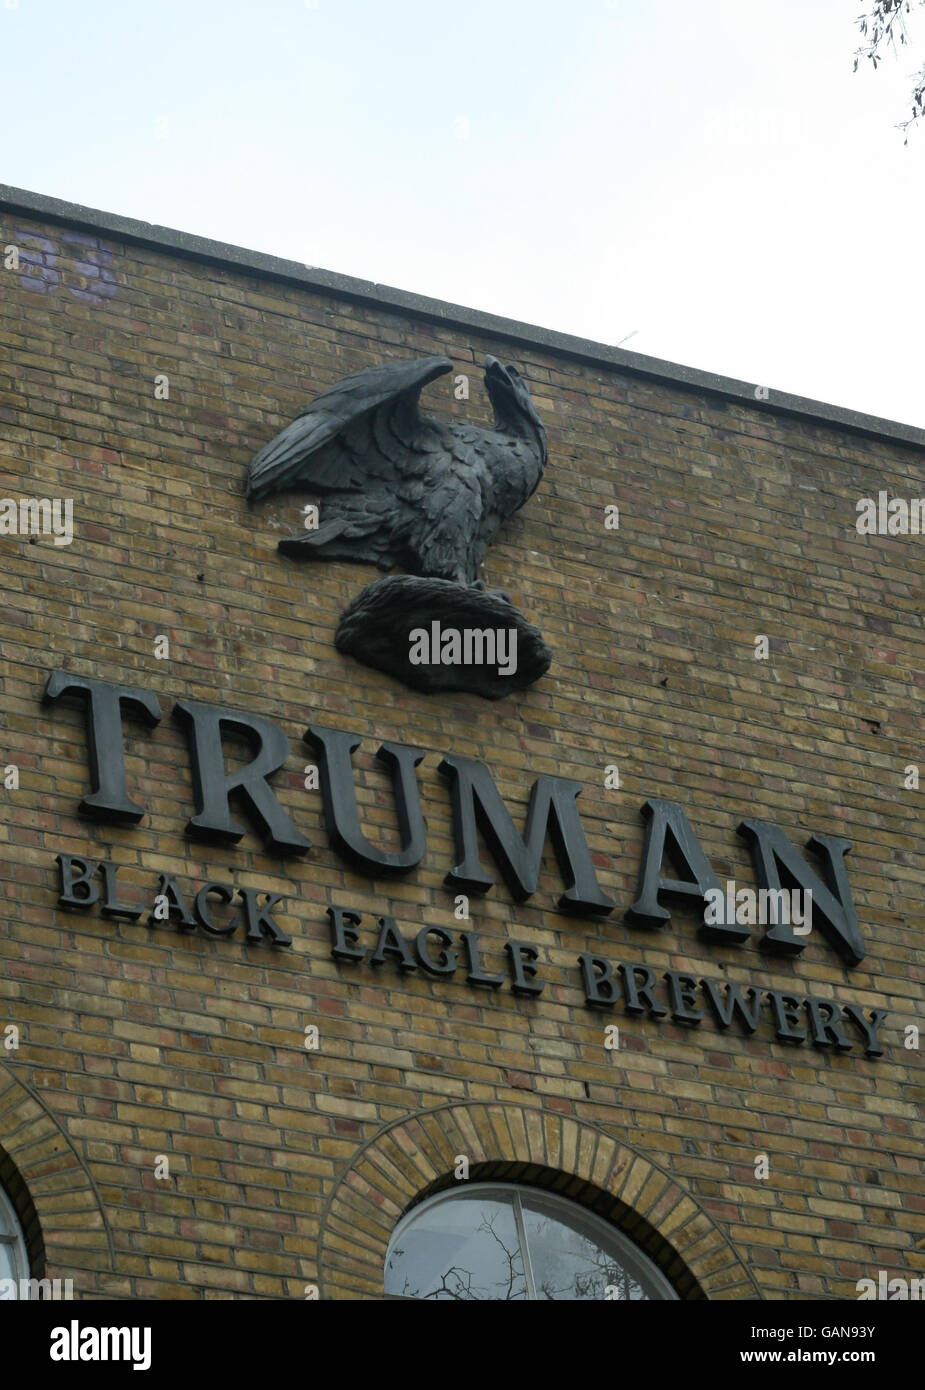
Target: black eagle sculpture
x=402, y=490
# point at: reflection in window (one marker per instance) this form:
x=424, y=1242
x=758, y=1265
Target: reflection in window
x=505, y=1242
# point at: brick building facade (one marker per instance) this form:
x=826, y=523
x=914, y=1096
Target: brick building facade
x=140, y=372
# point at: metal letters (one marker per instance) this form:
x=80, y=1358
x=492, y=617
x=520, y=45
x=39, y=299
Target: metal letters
x=477, y=806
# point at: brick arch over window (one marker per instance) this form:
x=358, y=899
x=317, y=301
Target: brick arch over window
x=412, y=1158
x=54, y=1195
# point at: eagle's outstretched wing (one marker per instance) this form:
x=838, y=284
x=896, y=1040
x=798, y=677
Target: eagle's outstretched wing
x=311, y=453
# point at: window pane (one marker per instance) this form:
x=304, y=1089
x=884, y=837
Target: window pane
x=463, y=1248
x=572, y=1256
x=13, y=1260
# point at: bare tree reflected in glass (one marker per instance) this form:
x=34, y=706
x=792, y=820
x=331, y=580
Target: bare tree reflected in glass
x=456, y=1283
x=510, y=1243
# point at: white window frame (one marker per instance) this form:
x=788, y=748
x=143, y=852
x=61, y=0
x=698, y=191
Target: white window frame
x=13, y=1239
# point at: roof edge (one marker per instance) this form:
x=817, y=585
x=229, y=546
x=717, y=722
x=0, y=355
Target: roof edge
x=440, y=311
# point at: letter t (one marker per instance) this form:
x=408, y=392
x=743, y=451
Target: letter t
x=102, y=703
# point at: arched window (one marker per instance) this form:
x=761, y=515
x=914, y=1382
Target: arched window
x=14, y=1261
x=506, y=1241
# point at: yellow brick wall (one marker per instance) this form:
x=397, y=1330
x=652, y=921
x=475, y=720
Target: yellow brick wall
x=140, y=1041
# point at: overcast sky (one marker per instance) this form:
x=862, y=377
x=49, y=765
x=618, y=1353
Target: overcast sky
x=708, y=173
